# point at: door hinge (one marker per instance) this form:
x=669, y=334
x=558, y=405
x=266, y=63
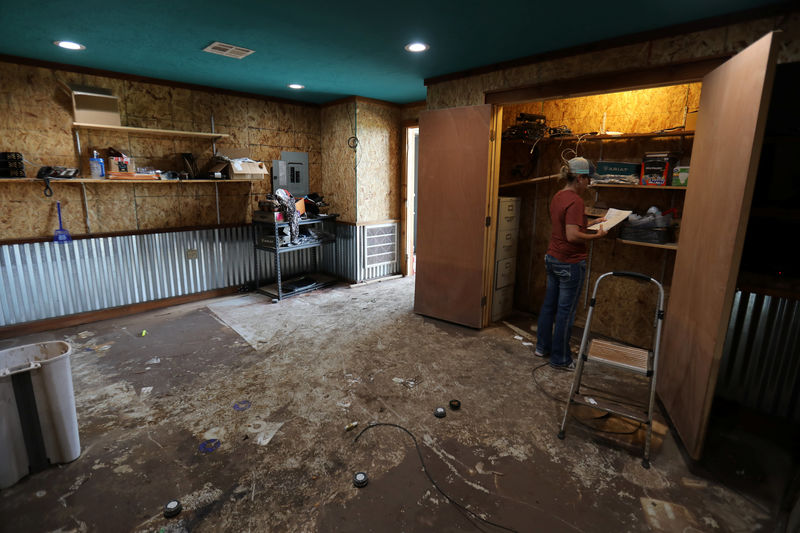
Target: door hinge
x=491, y=136
x=483, y=301
x=488, y=221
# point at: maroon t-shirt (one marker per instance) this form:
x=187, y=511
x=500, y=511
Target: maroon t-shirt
x=566, y=208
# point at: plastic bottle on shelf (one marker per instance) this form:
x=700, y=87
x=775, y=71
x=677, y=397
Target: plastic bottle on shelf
x=97, y=166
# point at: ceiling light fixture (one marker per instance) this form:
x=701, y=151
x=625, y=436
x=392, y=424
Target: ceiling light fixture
x=69, y=45
x=417, y=47
x=296, y=86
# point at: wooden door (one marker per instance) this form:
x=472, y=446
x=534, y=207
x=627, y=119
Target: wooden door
x=456, y=195
x=727, y=146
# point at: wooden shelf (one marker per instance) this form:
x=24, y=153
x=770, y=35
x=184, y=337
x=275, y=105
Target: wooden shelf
x=92, y=180
x=643, y=187
x=667, y=246
x=584, y=138
x=150, y=131
x=529, y=181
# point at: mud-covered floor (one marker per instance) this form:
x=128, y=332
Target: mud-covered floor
x=277, y=384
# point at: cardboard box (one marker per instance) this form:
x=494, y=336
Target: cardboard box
x=237, y=169
x=680, y=176
x=94, y=105
x=657, y=168
x=617, y=172
x=120, y=167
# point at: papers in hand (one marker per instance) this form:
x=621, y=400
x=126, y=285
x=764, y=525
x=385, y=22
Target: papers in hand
x=613, y=217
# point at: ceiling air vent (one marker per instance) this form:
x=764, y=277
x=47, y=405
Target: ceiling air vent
x=227, y=50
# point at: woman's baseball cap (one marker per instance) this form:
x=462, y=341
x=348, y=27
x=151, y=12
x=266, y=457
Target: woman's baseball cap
x=581, y=165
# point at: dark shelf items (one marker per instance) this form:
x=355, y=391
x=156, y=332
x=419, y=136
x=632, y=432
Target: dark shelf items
x=267, y=238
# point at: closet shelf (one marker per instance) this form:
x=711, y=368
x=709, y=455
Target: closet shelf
x=150, y=131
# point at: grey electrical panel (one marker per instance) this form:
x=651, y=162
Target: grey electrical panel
x=291, y=173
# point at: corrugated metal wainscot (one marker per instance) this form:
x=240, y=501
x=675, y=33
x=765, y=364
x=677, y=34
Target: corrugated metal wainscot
x=45, y=280
x=760, y=367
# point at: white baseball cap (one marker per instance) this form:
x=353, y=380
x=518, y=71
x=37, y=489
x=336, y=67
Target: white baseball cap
x=581, y=165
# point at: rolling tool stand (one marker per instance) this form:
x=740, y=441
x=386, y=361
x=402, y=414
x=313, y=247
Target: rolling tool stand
x=621, y=356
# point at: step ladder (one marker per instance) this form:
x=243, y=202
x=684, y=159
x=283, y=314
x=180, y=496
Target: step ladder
x=625, y=357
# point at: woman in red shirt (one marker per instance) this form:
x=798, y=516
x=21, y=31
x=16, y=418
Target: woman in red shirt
x=565, y=264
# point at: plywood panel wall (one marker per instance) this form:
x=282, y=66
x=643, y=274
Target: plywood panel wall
x=715, y=42
x=642, y=111
x=339, y=160
x=36, y=119
x=378, y=162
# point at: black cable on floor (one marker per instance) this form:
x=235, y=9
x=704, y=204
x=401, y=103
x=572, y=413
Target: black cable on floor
x=575, y=418
x=458, y=506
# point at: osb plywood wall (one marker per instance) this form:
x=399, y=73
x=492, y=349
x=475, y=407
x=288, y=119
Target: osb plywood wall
x=410, y=112
x=339, y=159
x=709, y=43
x=643, y=111
x=36, y=119
x=378, y=162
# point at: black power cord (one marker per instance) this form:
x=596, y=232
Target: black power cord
x=460, y=507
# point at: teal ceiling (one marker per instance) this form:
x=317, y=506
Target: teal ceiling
x=335, y=50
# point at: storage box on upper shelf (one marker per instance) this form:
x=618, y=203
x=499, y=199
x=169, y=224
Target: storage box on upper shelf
x=680, y=176
x=94, y=105
x=657, y=168
x=237, y=167
x=617, y=172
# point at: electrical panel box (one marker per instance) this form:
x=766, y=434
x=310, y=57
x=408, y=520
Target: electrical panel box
x=291, y=173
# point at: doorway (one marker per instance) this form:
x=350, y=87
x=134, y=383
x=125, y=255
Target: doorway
x=410, y=176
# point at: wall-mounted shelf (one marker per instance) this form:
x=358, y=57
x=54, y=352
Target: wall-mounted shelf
x=150, y=131
x=93, y=180
x=584, y=138
x=640, y=187
x=667, y=246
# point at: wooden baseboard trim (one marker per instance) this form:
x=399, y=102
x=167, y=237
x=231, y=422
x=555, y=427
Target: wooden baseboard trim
x=18, y=330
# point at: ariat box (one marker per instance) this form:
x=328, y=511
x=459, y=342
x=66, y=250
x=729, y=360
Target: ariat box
x=657, y=168
x=617, y=172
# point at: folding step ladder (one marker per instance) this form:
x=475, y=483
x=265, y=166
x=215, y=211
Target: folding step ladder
x=631, y=358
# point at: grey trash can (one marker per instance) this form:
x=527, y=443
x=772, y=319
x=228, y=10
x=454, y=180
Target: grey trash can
x=38, y=421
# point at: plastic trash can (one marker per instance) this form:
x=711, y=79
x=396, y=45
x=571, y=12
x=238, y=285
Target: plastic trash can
x=38, y=421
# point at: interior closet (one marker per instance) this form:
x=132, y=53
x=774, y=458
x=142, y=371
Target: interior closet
x=465, y=166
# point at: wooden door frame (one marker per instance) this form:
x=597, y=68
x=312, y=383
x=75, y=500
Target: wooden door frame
x=492, y=195
x=405, y=234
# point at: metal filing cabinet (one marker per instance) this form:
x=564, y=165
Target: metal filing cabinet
x=505, y=256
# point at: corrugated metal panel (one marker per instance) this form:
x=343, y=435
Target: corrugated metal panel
x=760, y=366
x=45, y=280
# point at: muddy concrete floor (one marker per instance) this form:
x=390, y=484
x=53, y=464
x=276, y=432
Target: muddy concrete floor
x=238, y=408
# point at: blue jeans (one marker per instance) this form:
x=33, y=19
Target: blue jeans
x=564, y=282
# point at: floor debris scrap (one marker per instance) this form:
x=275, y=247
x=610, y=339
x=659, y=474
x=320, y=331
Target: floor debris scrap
x=240, y=419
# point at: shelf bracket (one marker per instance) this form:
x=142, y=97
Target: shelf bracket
x=85, y=205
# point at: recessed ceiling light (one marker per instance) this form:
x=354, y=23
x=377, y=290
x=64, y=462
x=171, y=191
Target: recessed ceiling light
x=296, y=86
x=417, y=47
x=69, y=45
